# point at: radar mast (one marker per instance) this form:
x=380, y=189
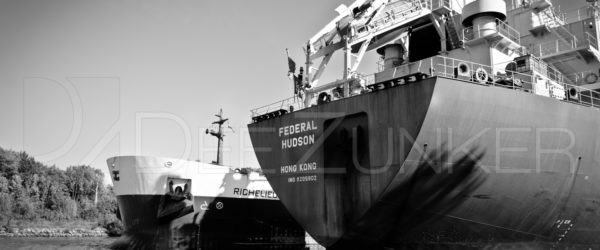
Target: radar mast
x=220, y=134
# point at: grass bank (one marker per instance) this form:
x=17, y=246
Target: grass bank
x=64, y=228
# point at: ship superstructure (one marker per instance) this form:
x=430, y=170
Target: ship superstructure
x=498, y=98
x=167, y=203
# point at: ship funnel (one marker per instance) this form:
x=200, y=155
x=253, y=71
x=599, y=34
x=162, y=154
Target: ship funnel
x=392, y=55
x=482, y=15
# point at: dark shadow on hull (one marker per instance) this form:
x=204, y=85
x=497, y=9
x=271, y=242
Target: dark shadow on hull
x=428, y=193
x=177, y=202
x=245, y=232
x=239, y=224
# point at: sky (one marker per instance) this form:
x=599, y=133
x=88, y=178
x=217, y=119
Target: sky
x=81, y=81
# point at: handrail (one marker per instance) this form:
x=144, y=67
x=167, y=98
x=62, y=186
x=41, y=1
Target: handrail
x=564, y=17
x=286, y=103
x=548, y=70
x=475, y=32
x=437, y=4
x=403, y=10
x=582, y=77
x=557, y=16
x=446, y=67
x=577, y=15
x=508, y=31
x=591, y=40
x=551, y=47
x=558, y=45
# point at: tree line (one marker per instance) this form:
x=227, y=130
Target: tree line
x=30, y=190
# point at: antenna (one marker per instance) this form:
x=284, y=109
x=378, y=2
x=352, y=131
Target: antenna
x=228, y=126
x=220, y=135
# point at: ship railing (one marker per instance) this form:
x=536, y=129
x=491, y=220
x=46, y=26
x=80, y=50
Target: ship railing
x=538, y=65
x=553, y=17
x=400, y=11
x=516, y=5
x=585, y=77
x=480, y=73
x=436, y=4
x=582, y=95
x=289, y=104
x=295, y=103
x=591, y=40
x=571, y=16
x=519, y=4
x=502, y=28
x=578, y=14
x=458, y=69
x=446, y=67
x=474, y=72
x=551, y=48
x=380, y=64
x=498, y=76
x=558, y=46
x=579, y=77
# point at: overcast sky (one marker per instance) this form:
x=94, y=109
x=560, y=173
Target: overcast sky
x=81, y=81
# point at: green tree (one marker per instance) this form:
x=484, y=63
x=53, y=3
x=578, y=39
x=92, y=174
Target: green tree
x=6, y=205
x=68, y=207
x=82, y=182
x=87, y=209
x=30, y=189
x=15, y=187
x=107, y=202
x=24, y=208
x=8, y=168
x=27, y=165
x=4, y=185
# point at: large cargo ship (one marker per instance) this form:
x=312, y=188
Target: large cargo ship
x=167, y=203
x=481, y=127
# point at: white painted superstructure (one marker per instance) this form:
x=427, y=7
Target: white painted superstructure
x=147, y=175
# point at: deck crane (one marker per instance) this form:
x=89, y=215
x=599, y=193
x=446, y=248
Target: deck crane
x=371, y=24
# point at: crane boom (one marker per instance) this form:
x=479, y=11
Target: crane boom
x=360, y=11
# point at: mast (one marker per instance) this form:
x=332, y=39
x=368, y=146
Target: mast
x=219, y=134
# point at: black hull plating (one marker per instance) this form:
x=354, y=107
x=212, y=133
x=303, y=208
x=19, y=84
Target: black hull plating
x=215, y=223
x=537, y=180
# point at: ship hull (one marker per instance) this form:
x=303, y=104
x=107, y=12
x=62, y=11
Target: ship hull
x=526, y=167
x=217, y=208
x=238, y=224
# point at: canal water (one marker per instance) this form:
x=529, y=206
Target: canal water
x=68, y=243
x=105, y=243
x=65, y=243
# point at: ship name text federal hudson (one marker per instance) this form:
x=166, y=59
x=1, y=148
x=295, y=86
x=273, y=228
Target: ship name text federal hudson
x=293, y=139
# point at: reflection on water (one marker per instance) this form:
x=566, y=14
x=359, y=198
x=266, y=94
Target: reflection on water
x=55, y=243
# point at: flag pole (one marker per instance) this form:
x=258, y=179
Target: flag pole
x=287, y=53
x=307, y=98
